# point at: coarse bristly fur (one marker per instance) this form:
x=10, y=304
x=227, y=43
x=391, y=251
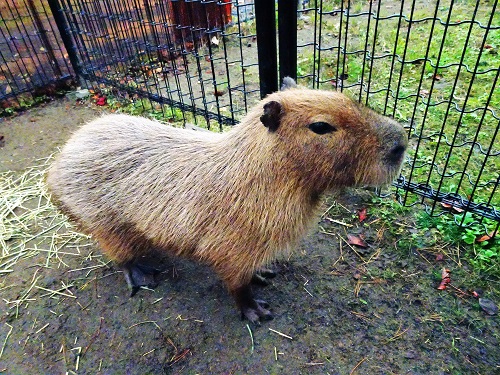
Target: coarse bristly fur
x=234, y=200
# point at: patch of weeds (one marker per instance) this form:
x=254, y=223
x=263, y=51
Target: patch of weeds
x=389, y=274
x=22, y=102
x=470, y=232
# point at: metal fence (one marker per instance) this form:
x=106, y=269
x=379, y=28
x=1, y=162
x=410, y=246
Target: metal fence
x=32, y=57
x=434, y=66
x=196, y=56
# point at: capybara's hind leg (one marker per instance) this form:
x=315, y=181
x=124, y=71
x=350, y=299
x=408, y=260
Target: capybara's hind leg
x=262, y=276
x=252, y=309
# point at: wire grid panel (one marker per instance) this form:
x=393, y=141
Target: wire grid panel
x=31, y=53
x=432, y=65
x=194, y=56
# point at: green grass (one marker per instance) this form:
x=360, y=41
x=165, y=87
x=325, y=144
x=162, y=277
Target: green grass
x=424, y=90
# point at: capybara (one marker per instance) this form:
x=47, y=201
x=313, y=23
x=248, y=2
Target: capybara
x=232, y=200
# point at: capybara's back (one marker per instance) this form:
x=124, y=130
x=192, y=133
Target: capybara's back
x=233, y=200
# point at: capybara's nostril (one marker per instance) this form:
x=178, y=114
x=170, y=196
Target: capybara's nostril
x=396, y=152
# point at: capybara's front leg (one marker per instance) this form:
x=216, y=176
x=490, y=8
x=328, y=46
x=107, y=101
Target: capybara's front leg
x=252, y=309
x=138, y=275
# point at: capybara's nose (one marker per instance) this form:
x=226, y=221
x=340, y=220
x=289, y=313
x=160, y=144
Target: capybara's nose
x=396, y=152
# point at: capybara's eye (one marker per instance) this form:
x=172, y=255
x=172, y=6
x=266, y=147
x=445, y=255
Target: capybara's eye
x=322, y=127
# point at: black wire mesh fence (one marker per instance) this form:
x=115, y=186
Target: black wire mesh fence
x=33, y=61
x=433, y=66
x=190, y=58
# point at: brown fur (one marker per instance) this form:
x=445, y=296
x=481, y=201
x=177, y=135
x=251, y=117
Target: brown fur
x=233, y=200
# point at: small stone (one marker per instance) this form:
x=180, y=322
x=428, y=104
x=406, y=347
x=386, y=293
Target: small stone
x=82, y=94
x=488, y=306
x=410, y=354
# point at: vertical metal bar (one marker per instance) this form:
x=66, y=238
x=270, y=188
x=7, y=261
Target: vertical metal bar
x=394, y=57
x=63, y=28
x=44, y=39
x=372, y=57
x=344, y=56
x=317, y=46
x=266, y=46
x=365, y=53
x=287, y=26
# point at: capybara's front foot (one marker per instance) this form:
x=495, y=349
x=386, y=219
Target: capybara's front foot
x=262, y=276
x=252, y=309
x=139, y=275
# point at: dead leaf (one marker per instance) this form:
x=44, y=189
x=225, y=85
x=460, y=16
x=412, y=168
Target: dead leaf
x=355, y=240
x=362, y=215
x=445, y=278
x=437, y=77
x=424, y=93
x=219, y=92
x=488, y=46
x=487, y=237
x=450, y=207
x=101, y=101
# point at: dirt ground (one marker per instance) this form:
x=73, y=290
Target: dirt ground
x=339, y=309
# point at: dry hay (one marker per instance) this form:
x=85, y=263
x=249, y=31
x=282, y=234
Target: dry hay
x=35, y=236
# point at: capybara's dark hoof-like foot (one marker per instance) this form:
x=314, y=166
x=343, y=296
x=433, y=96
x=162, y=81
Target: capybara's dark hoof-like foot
x=257, y=313
x=262, y=277
x=139, y=275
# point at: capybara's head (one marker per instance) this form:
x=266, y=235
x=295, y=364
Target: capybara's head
x=332, y=140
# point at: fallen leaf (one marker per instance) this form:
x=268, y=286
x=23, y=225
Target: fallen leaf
x=487, y=237
x=445, y=279
x=424, y=93
x=355, y=240
x=362, y=215
x=437, y=77
x=488, y=46
x=101, y=101
x=450, y=207
x=488, y=306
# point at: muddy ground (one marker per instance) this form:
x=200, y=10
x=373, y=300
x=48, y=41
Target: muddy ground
x=339, y=309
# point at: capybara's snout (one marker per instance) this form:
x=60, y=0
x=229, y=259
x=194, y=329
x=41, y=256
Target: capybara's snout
x=394, y=143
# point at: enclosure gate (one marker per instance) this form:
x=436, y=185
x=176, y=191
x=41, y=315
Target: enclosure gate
x=435, y=69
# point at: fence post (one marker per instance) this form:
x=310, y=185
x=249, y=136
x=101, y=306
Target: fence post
x=43, y=38
x=63, y=28
x=265, y=16
x=287, y=29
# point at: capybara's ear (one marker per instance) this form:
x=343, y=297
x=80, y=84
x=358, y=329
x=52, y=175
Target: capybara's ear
x=271, y=116
x=288, y=83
